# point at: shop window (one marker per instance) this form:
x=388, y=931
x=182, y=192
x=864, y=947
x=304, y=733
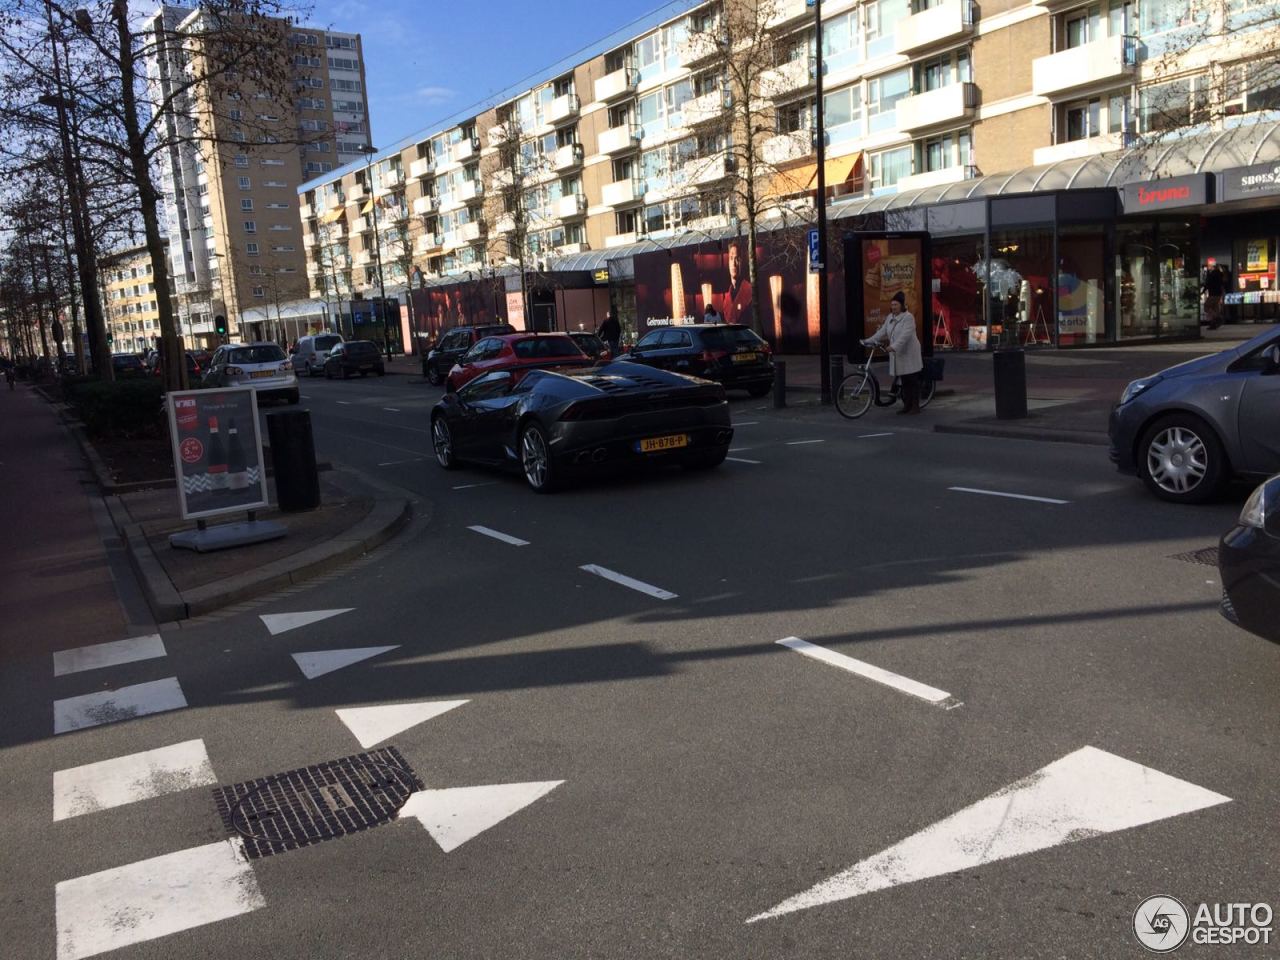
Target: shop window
x=1018, y=279
x=1081, y=286
x=957, y=297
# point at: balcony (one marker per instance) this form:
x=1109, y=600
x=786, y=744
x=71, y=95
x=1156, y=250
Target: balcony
x=314, y=269
x=356, y=193
x=704, y=109
x=470, y=232
x=470, y=190
x=563, y=108
x=786, y=147
x=503, y=178
x=621, y=193
x=306, y=211
x=504, y=224
x=620, y=240
x=708, y=169
x=424, y=205
x=1075, y=149
x=950, y=21
x=619, y=139
x=617, y=84
x=499, y=134
x=699, y=48
x=390, y=181
x=937, y=178
x=571, y=205
x=565, y=249
x=787, y=79
x=422, y=167
x=567, y=157
x=464, y=150
x=308, y=239
x=1104, y=61
x=363, y=258
x=428, y=243
x=933, y=108
x=788, y=12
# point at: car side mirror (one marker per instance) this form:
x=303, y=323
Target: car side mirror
x=1272, y=355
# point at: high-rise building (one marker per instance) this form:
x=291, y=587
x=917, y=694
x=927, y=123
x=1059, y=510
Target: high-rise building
x=929, y=105
x=133, y=318
x=231, y=174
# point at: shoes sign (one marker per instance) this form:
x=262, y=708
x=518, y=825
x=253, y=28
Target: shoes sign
x=217, y=452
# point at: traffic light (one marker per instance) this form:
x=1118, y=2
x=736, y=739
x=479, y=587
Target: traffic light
x=220, y=325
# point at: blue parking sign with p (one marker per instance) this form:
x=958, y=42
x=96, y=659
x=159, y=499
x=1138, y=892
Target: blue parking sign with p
x=814, y=263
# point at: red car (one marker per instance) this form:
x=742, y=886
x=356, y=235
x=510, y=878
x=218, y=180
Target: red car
x=515, y=352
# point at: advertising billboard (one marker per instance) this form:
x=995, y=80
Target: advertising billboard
x=450, y=305
x=675, y=286
x=217, y=451
x=887, y=264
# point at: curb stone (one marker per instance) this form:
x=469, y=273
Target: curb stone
x=1049, y=434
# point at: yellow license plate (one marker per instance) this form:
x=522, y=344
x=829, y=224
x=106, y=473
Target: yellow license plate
x=746, y=357
x=259, y=374
x=658, y=444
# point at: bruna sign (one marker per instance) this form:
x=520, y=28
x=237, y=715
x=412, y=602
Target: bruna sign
x=217, y=451
x=1155, y=195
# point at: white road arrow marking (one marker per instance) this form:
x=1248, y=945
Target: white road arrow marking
x=107, y=654
x=455, y=815
x=110, y=706
x=374, y=724
x=128, y=779
x=153, y=898
x=316, y=663
x=1086, y=793
x=279, y=623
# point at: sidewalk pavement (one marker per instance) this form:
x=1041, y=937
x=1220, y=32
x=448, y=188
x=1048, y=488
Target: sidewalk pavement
x=56, y=585
x=68, y=550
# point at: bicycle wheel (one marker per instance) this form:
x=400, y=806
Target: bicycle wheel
x=927, y=387
x=854, y=395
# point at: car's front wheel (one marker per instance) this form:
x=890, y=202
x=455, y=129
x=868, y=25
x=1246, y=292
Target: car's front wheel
x=1182, y=459
x=535, y=459
x=442, y=443
x=434, y=377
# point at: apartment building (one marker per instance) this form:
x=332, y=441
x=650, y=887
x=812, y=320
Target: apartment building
x=133, y=319
x=926, y=102
x=230, y=179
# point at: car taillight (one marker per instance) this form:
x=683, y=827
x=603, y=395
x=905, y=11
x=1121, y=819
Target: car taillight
x=766, y=349
x=234, y=371
x=711, y=356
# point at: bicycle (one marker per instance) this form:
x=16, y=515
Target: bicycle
x=860, y=389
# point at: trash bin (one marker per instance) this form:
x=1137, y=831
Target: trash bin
x=293, y=457
x=779, y=383
x=1010, y=367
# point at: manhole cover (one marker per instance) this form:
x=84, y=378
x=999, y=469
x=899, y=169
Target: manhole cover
x=331, y=799
x=1206, y=555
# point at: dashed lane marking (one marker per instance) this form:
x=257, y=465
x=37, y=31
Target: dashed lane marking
x=743, y=460
x=868, y=436
x=128, y=779
x=625, y=581
x=869, y=671
x=1011, y=496
x=799, y=443
x=107, y=654
x=472, y=486
x=110, y=706
x=499, y=535
x=396, y=463
x=391, y=409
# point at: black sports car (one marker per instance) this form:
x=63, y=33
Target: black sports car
x=551, y=425
x=1249, y=564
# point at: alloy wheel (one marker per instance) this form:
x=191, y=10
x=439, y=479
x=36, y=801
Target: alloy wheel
x=533, y=458
x=442, y=441
x=1177, y=459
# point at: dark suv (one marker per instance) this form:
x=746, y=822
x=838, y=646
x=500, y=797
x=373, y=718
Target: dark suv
x=730, y=354
x=453, y=344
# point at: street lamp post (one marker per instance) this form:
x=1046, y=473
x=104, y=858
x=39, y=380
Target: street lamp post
x=820, y=137
x=369, y=150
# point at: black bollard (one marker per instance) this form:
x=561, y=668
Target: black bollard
x=1010, y=368
x=779, y=383
x=293, y=456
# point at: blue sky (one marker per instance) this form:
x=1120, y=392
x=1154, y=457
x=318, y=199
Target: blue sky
x=425, y=61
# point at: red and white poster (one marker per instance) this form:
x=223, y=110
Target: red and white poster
x=217, y=451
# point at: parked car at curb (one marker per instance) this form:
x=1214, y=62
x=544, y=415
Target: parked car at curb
x=262, y=366
x=514, y=351
x=1187, y=430
x=128, y=366
x=592, y=346
x=354, y=356
x=309, y=352
x=453, y=344
x=553, y=424
x=730, y=354
x=1249, y=564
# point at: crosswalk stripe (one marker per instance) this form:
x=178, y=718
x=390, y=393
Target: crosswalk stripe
x=110, y=654
x=128, y=779
x=110, y=706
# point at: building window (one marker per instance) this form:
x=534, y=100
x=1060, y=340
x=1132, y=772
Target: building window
x=259, y=292
x=795, y=117
x=1178, y=103
x=1083, y=119
x=246, y=205
x=883, y=94
x=243, y=182
x=889, y=166
x=251, y=226
x=234, y=115
x=251, y=249
x=242, y=161
x=943, y=153
x=842, y=114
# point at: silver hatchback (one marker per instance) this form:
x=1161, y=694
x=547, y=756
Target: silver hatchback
x=1188, y=429
x=262, y=366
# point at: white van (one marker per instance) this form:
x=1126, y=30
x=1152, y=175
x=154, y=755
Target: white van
x=310, y=352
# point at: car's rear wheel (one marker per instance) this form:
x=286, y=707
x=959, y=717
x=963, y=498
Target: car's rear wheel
x=1182, y=459
x=759, y=390
x=535, y=459
x=433, y=374
x=442, y=443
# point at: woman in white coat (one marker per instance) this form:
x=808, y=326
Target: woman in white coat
x=898, y=335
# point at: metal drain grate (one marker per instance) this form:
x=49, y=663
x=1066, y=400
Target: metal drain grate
x=313, y=804
x=1205, y=555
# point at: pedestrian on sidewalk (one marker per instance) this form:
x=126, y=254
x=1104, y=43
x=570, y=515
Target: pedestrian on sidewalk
x=610, y=332
x=898, y=335
x=1213, y=290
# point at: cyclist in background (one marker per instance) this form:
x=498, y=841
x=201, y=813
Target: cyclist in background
x=898, y=335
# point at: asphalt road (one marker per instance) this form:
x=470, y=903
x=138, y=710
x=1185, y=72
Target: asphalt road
x=1039, y=686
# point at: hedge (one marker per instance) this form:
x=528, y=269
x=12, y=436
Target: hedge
x=125, y=408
